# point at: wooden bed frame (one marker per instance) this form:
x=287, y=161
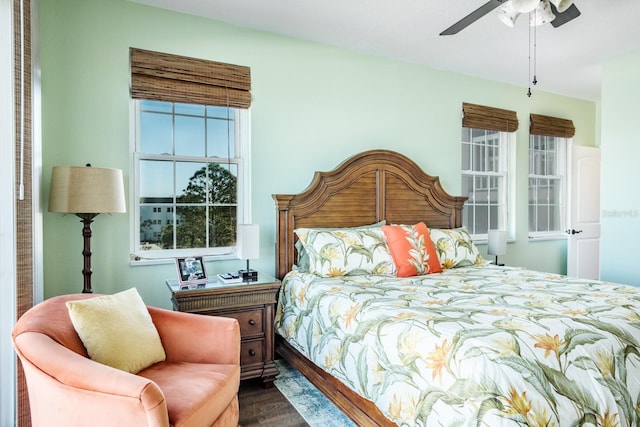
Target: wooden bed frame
x=366, y=188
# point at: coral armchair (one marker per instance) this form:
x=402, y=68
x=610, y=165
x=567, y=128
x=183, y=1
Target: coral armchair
x=196, y=385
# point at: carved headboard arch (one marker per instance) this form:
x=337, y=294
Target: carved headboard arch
x=369, y=187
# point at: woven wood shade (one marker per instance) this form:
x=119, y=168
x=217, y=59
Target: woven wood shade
x=551, y=126
x=483, y=117
x=165, y=77
x=23, y=208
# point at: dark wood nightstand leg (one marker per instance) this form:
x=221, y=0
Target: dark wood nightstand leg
x=269, y=374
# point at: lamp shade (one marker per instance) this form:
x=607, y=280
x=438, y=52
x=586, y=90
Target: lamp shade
x=497, y=242
x=76, y=189
x=248, y=243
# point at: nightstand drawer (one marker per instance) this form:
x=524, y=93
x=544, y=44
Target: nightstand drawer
x=251, y=352
x=250, y=321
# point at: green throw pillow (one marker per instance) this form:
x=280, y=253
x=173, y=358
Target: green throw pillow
x=117, y=330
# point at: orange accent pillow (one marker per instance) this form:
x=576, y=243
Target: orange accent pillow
x=412, y=249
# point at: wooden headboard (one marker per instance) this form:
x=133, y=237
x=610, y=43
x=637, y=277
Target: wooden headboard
x=364, y=189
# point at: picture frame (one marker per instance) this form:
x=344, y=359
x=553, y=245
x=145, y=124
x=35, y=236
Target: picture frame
x=191, y=271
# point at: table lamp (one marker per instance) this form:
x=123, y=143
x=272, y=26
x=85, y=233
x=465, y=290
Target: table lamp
x=248, y=247
x=86, y=192
x=497, y=243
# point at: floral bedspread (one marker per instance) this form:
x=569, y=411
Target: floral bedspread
x=478, y=346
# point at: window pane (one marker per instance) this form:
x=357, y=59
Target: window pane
x=156, y=179
x=220, y=137
x=543, y=218
x=467, y=188
x=192, y=183
x=554, y=191
x=533, y=219
x=493, y=217
x=224, y=183
x=478, y=135
x=466, y=135
x=478, y=158
x=156, y=133
x=466, y=157
x=222, y=222
x=495, y=194
x=481, y=220
x=159, y=106
x=192, y=231
x=190, y=109
x=189, y=136
x=493, y=157
x=468, y=218
x=481, y=189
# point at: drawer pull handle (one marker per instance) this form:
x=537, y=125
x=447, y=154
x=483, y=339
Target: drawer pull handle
x=252, y=322
x=252, y=353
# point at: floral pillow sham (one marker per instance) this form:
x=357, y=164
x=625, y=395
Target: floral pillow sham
x=346, y=252
x=455, y=248
x=302, y=263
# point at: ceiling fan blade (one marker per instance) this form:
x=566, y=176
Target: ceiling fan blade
x=472, y=17
x=562, y=18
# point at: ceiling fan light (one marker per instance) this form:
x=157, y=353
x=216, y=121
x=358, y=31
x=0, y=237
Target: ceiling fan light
x=542, y=15
x=507, y=14
x=562, y=5
x=524, y=6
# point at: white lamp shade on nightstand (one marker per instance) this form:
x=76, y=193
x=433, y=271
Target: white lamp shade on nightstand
x=248, y=243
x=497, y=242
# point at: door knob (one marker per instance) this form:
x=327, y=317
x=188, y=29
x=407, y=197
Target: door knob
x=572, y=231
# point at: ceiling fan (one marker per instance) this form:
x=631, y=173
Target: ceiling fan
x=555, y=12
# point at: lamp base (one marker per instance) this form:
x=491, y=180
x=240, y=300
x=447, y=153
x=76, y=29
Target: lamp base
x=496, y=262
x=248, y=275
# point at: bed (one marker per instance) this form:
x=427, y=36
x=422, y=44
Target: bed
x=475, y=344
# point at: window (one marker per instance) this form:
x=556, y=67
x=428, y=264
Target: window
x=486, y=166
x=190, y=155
x=188, y=177
x=547, y=175
x=484, y=180
x=546, y=184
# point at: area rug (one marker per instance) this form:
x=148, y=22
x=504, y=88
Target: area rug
x=310, y=403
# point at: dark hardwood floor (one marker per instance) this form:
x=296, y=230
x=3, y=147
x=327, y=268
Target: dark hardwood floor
x=266, y=407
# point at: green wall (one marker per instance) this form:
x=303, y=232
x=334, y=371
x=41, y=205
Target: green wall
x=313, y=106
x=620, y=199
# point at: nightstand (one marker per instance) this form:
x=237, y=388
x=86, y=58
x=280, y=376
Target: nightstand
x=252, y=304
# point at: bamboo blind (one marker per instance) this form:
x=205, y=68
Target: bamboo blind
x=551, y=126
x=23, y=208
x=491, y=118
x=165, y=77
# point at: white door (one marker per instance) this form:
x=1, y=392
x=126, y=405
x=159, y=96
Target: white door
x=583, y=248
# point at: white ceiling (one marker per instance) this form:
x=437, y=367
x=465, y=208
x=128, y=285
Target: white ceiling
x=568, y=57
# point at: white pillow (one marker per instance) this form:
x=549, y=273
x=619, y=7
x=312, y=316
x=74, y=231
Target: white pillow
x=117, y=330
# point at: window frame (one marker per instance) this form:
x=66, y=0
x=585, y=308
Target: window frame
x=242, y=131
x=562, y=169
x=507, y=165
